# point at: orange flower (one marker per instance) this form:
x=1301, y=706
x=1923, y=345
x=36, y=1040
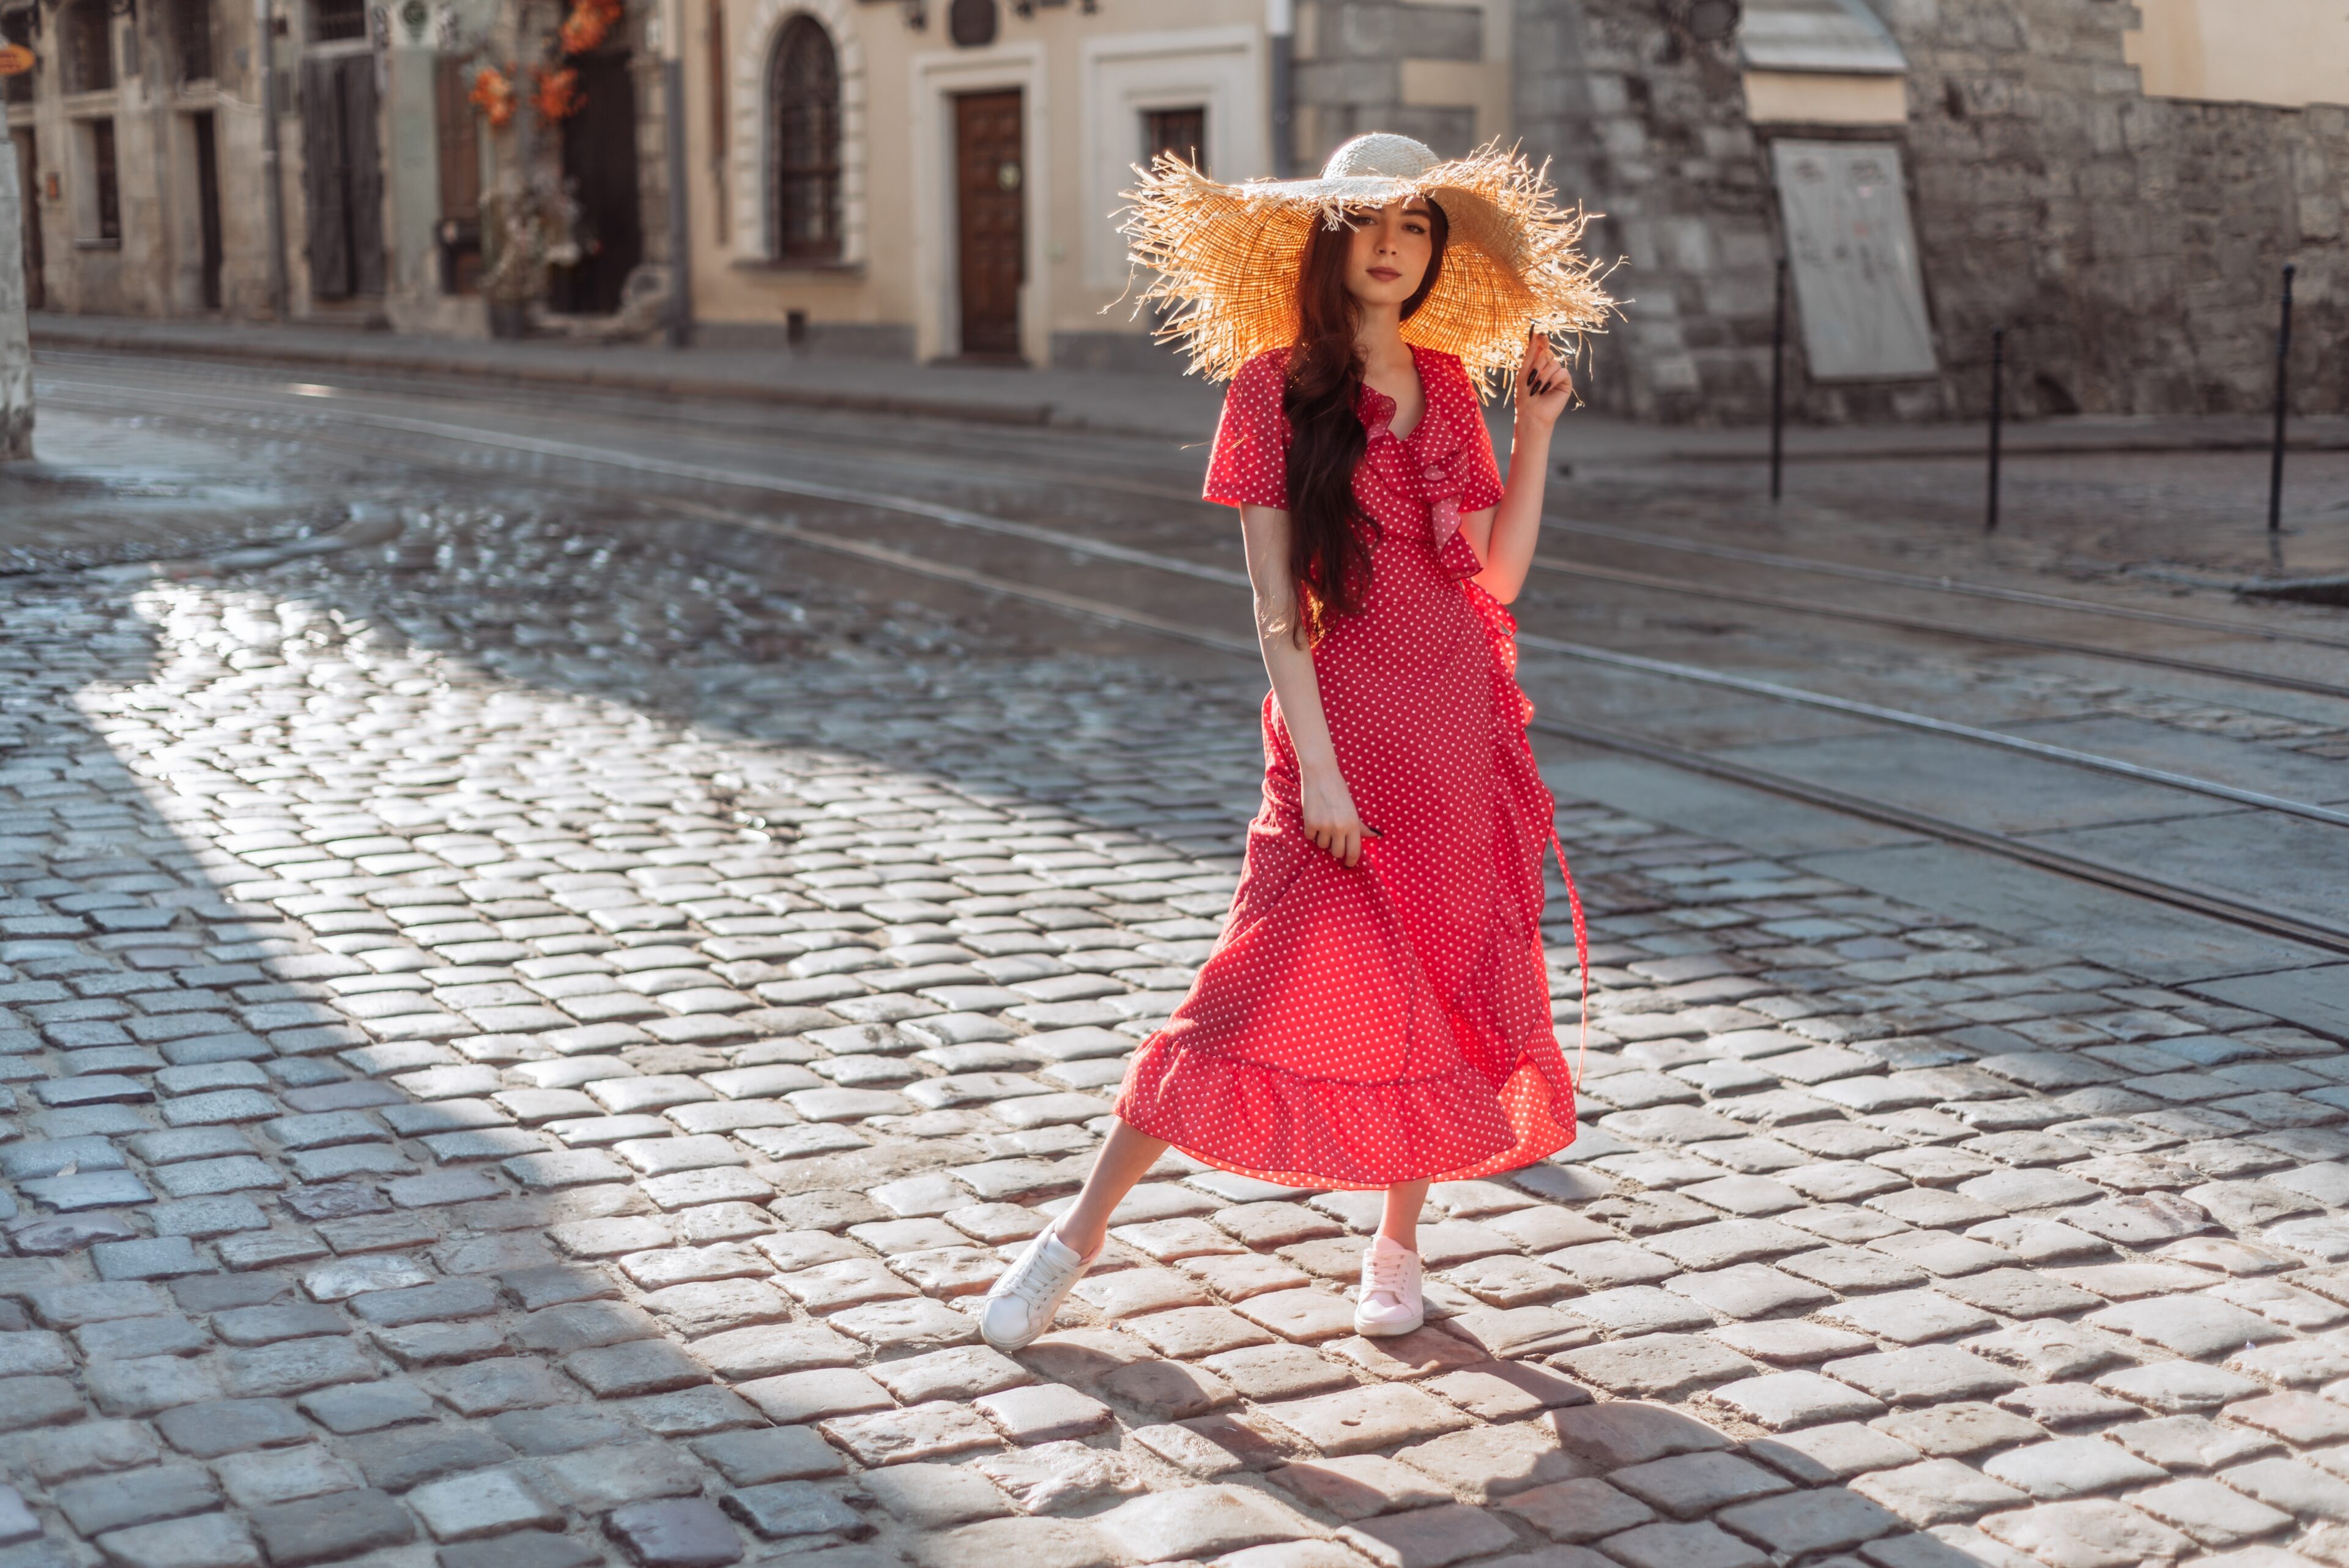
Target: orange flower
x=590, y=22
x=493, y=95
x=556, y=95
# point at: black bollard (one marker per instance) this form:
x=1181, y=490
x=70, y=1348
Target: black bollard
x=1778, y=389
x=2283, y=361
x=1997, y=413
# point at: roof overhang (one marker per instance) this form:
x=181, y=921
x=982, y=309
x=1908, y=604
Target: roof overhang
x=1818, y=37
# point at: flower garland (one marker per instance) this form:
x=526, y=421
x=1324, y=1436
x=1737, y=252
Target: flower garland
x=493, y=95
x=556, y=93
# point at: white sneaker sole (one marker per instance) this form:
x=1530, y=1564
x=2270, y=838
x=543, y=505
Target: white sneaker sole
x=1381, y=1329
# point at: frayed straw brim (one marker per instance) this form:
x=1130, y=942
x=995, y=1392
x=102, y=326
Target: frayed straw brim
x=1226, y=258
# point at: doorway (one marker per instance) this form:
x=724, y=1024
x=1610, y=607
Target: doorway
x=28, y=164
x=599, y=170
x=342, y=176
x=991, y=215
x=208, y=207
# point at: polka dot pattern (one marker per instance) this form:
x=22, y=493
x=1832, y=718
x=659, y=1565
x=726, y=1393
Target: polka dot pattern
x=1389, y=1022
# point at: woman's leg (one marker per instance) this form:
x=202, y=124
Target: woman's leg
x=1400, y=1223
x=1124, y=1157
x=1389, y=1301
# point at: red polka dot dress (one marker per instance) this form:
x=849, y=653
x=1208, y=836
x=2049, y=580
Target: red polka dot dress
x=1388, y=1023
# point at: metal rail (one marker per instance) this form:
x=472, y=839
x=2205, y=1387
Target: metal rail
x=2194, y=899
x=963, y=517
x=1942, y=585
x=964, y=465
x=1940, y=628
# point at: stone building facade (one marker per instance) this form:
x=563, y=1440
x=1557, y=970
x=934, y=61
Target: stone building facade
x=138, y=144
x=2116, y=184
x=139, y=140
x=2130, y=242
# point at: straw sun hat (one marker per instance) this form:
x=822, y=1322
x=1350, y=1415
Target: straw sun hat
x=1226, y=255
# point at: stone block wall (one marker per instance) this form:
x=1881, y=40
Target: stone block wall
x=1349, y=74
x=2132, y=246
x=1649, y=130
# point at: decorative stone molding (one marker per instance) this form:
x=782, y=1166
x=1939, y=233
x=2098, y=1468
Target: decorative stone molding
x=753, y=131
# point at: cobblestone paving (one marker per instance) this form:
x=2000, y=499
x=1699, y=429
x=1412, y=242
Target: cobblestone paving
x=524, y=1055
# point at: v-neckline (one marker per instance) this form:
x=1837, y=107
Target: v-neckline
x=1376, y=414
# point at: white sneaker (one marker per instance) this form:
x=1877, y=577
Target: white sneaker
x=1389, y=1302
x=1022, y=1303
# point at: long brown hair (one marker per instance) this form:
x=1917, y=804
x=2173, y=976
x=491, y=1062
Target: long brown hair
x=1329, y=557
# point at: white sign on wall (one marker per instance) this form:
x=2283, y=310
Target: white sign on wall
x=1854, y=259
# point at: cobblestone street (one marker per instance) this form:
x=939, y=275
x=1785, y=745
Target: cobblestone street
x=523, y=1050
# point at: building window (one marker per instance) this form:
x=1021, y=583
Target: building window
x=332, y=20
x=17, y=27
x=99, y=209
x=803, y=109
x=1182, y=132
x=192, y=39
x=85, y=37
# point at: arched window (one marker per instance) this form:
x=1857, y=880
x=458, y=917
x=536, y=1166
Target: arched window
x=85, y=35
x=803, y=109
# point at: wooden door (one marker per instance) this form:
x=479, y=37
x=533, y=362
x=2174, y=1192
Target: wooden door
x=208, y=207
x=991, y=202
x=457, y=136
x=599, y=168
x=342, y=176
x=28, y=193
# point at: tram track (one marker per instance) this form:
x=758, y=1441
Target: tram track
x=968, y=518
x=747, y=439
x=2212, y=902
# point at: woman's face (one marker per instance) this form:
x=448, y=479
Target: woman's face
x=1390, y=255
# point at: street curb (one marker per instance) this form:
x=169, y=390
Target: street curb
x=588, y=376
x=2333, y=590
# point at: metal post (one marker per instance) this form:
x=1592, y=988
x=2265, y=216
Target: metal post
x=1281, y=28
x=1997, y=417
x=1778, y=389
x=272, y=190
x=2283, y=361
x=681, y=236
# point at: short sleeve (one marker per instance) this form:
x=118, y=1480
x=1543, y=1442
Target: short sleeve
x=1250, y=466
x=1479, y=474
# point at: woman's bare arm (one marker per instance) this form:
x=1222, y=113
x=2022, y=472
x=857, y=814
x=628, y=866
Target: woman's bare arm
x=1329, y=817
x=1504, y=536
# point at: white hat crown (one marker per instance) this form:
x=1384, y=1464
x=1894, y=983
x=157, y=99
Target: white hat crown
x=1380, y=155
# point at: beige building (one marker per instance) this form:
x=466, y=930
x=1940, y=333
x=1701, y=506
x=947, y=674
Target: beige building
x=936, y=179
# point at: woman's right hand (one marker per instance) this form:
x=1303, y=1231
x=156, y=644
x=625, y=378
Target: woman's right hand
x=1330, y=820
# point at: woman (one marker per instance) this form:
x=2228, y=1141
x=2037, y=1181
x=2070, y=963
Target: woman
x=1376, y=1012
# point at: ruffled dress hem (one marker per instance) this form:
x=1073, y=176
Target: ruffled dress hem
x=1292, y=1129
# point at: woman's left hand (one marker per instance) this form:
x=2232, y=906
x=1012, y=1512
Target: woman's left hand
x=1544, y=388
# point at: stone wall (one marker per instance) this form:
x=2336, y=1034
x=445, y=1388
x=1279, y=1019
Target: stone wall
x=1351, y=60
x=16, y=352
x=1649, y=130
x=2132, y=246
